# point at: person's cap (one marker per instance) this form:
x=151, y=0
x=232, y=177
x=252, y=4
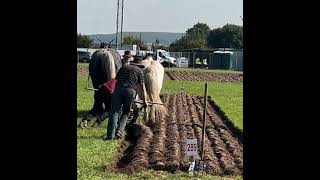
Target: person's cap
x=127, y=54
x=137, y=60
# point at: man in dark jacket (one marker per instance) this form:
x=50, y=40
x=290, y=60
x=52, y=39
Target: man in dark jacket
x=129, y=78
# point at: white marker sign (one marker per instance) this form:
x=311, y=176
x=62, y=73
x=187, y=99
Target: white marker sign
x=191, y=148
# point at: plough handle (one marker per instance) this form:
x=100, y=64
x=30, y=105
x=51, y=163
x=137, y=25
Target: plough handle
x=149, y=102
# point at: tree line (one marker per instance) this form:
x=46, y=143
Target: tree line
x=84, y=41
x=198, y=36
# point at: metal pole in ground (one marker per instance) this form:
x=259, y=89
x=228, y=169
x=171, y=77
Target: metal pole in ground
x=204, y=120
x=117, y=25
x=121, y=23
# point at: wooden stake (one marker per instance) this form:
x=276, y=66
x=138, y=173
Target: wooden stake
x=204, y=120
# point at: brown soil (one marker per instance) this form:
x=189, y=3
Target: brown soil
x=161, y=147
x=204, y=76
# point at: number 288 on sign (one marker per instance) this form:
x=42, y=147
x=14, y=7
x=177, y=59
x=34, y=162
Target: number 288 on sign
x=191, y=147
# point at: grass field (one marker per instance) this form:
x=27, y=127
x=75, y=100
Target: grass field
x=93, y=153
x=229, y=96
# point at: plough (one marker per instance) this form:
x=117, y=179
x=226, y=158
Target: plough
x=133, y=114
x=148, y=102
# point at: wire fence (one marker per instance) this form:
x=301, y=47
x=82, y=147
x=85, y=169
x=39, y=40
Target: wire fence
x=216, y=60
x=230, y=60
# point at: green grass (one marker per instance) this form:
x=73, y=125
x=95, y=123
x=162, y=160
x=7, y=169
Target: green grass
x=203, y=70
x=229, y=96
x=83, y=64
x=93, y=153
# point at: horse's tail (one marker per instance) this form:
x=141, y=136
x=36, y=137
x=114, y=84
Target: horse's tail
x=109, y=66
x=157, y=112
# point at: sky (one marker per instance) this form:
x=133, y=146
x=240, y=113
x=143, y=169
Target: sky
x=99, y=16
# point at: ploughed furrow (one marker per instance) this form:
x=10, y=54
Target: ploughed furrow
x=172, y=140
x=157, y=146
x=210, y=157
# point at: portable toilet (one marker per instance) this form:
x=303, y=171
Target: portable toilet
x=237, y=60
x=182, y=62
x=221, y=60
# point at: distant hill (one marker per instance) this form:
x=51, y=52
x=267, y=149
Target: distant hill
x=148, y=37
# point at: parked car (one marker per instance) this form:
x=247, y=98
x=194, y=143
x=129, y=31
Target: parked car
x=84, y=57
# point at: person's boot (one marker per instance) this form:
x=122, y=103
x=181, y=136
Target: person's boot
x=120, y=134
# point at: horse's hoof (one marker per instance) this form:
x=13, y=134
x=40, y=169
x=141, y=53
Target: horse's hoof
x=83, y=124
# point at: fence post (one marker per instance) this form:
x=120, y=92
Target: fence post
x=194, y=58
x=204, y=119
x=236, y=62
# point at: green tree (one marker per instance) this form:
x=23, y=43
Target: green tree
x=178, y=44
x=229, y=36
x=131, y=40
x=195, y=37
x=84, y=41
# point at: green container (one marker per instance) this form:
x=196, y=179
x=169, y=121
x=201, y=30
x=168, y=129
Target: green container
x=225, y=61
x=221, y=61
x=237, y=60
x=216, y=61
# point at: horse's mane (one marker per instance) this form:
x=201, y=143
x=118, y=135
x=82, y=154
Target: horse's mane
x=116, y=58
x=109, y=65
